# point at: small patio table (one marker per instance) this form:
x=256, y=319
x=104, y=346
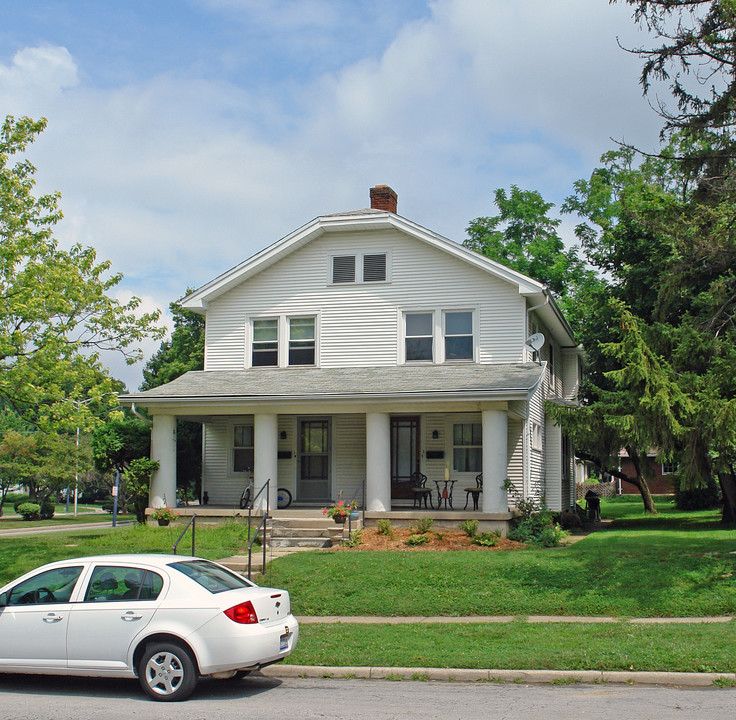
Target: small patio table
x=444, y=493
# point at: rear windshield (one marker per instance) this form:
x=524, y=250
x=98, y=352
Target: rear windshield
x=209, y=576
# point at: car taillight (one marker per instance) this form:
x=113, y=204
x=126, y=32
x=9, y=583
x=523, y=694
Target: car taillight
x=244, y=613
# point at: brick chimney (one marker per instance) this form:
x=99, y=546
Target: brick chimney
x=384, y=198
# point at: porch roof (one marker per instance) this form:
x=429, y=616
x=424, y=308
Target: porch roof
x=497, y=381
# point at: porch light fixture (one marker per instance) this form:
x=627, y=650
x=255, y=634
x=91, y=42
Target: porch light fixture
x=435, y=434
x=282, y=434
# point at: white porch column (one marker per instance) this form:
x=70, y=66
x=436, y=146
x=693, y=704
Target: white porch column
x=495, y=461
x=163, y=450
x=265, y=451
x=378, y=461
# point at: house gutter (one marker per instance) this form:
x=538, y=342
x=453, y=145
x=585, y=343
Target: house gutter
x=135, y=412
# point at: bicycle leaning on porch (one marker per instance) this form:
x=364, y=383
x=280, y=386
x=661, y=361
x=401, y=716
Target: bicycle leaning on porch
x=283, y=497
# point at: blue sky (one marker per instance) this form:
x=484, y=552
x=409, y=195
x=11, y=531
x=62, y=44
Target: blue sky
x=186, y=135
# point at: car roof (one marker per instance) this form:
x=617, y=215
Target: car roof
x=154, y=559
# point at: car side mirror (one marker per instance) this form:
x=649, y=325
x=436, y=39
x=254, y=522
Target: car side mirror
x=3, y=599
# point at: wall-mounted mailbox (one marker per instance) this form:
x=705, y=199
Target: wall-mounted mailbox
x=435, y=454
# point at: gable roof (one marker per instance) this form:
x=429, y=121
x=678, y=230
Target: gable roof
x=370, y=219
x=355, y=220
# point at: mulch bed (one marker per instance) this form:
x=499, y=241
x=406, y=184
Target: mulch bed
x=438, y=540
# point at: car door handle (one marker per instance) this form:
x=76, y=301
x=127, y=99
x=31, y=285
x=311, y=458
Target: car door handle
x=52, y=618
x=130, y=616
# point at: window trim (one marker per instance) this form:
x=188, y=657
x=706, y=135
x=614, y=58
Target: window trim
x=438, y=334
x=283, y=321
x=359, y=268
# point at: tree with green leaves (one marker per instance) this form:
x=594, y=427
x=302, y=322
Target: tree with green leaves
x=57, y=313
x=182, y=353
x=525, y=238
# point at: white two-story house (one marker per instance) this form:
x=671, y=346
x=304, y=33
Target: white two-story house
x=363, y=348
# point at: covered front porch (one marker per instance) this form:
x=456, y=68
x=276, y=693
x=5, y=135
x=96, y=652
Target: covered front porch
x=369, y=435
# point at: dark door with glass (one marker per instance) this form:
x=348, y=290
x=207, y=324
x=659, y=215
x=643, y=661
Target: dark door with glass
x=404, y=455
x=314, y=461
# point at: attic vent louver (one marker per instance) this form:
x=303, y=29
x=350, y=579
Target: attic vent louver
x=343, y=269
x=374, y=268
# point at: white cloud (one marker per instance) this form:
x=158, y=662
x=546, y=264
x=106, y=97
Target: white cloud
x=177, y=178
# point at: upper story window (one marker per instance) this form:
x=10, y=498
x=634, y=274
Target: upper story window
x=366, y=268
x=301, y=341
x=458, y=336
x=283, y=341
x=418, y=339
x=265, y=349
x=439, y=336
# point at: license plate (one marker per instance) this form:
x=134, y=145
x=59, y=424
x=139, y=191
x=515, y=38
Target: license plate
x=284, y=642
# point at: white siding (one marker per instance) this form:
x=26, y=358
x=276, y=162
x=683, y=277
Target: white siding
x=348, y=471
x=570, y=377
x=516, y=458
x=535, y=488
x=359, y=323
x=222, y=487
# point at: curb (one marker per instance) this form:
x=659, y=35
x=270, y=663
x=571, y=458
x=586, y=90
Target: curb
x=531, y=677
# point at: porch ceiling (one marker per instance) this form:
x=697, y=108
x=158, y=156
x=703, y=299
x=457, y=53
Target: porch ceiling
x=503, y=381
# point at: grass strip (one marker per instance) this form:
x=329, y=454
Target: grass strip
x=83, y=519
x=519, y=645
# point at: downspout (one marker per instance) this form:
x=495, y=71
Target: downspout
x=135, y=412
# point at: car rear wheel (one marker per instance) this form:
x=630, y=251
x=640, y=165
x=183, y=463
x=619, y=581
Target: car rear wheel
x=167, y=672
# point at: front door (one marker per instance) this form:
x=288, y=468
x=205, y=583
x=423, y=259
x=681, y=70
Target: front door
x=314, y=461
x=404, y=455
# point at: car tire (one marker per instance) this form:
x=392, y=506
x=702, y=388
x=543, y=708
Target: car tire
x=167, y=672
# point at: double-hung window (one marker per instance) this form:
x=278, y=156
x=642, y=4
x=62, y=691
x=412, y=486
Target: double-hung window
x=265, y=343
x=467, y=447
x=419, y=337
x=458, y=335
x=301, y=341
x=439, y=336
x=242, y=448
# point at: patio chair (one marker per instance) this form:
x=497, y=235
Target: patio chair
x=474, y=491
x=420, y=491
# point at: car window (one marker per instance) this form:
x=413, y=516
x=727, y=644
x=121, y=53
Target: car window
x=210, y=576
x=112, y=583
x=51, y=586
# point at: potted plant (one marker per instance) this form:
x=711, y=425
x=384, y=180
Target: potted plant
x=338, y=511
x=164, y=515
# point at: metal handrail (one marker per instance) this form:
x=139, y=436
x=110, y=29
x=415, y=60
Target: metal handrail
x=263, y=522
x=193, y=523
x=362, y=507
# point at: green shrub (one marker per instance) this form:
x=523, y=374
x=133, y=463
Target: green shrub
x=21, y=500
x=384, y=528
x=355, y=538
x=702, y=498
x=417, y=540
x=29, y=511
x=422, y=525
x=47, y=509
x=538, y=528
x=469, y=527
x=486, y=539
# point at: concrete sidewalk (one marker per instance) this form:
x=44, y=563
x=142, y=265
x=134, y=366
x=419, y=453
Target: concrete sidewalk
x=417, y=619
x=561, y=677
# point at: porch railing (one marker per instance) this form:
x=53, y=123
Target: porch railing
x=193, y=523
x=263, y=524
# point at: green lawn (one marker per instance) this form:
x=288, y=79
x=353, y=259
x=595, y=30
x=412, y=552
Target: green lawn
x=674, y=564
x=23, y=553
x=84, y=517
x=517, y=645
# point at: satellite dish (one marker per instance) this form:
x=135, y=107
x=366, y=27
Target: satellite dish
x=535, y=341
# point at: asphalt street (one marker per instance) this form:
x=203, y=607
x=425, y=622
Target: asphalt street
x=271, y=698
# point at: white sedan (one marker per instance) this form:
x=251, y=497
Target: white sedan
x=165, y=619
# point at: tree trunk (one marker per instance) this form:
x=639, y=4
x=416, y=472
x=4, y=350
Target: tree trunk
x=640, y=483
x=727, y=481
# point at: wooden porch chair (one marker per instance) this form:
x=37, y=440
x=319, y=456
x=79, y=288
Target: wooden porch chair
x=474, y=491
x=420, y=491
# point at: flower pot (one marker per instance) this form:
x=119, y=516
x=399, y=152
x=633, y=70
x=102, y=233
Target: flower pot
x=163, y=523
x=355, y=514
x=340, y=519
